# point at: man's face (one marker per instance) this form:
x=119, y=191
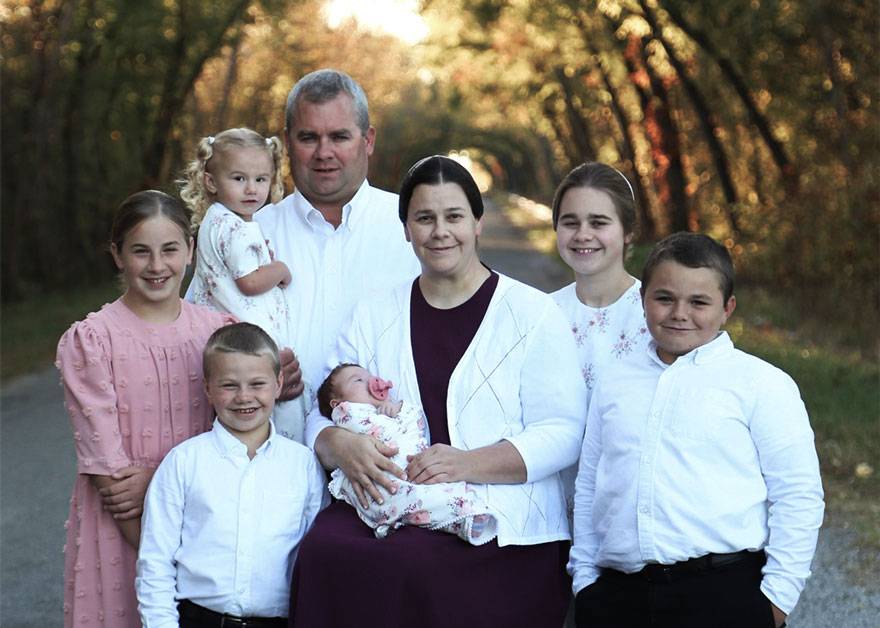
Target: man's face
x=328, y=153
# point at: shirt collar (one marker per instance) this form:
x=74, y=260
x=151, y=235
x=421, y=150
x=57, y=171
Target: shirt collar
x=229, y=445
x=720, y=346
x=350, y=219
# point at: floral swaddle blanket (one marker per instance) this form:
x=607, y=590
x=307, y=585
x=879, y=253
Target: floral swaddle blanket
x=451, y=507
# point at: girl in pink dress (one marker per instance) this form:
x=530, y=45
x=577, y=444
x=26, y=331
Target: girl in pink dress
x=133, y=388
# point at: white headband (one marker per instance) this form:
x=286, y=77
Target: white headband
x=628, y=184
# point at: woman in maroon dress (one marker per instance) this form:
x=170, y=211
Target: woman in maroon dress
x=490, y=361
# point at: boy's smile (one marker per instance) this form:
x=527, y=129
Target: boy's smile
x=243, y=388
x=684, y=308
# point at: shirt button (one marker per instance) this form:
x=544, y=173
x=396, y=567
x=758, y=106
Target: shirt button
x=643, y=510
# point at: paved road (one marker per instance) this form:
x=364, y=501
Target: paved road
x=37, y=467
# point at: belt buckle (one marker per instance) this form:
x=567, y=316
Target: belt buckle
x=227, y=621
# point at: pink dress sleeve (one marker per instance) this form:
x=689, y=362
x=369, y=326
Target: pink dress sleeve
x=90, y=400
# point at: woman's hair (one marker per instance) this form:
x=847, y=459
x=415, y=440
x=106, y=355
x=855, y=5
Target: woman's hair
x=323, y=86
x=435, y=170
x=144, y=205
x=240, y=338
x=607, y=179
x=693, y=250
x=193, y=190
x=327, y=389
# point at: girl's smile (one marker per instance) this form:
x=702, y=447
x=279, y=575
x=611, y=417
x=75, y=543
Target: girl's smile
x=153, y=258
x=589, y=234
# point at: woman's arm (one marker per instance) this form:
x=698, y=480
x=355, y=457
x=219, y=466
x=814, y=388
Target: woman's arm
x=130, y=528
x=264, y=279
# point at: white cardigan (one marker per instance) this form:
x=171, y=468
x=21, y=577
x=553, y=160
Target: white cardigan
x=518, y=380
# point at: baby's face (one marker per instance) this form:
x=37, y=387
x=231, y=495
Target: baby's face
x=353, y=384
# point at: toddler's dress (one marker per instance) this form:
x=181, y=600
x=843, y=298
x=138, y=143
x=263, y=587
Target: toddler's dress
x=451, y=506
x=229, y=248
x=133, y=390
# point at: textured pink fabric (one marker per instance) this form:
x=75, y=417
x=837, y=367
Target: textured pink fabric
x=132, y=391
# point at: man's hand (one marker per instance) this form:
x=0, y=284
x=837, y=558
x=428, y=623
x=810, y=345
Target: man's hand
x=440, y=463
x=124, y=497
x=292, y=386
x=363, y=459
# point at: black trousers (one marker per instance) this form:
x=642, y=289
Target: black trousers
x=724, y=597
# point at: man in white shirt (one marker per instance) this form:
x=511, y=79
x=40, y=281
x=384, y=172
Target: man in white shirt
x=698, y=499
x=340, y=237
x=226, y=510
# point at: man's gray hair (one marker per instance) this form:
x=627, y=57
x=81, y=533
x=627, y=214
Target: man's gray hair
x=323, y=86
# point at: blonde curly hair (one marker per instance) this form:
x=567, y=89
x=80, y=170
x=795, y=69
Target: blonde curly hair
x=192, y=187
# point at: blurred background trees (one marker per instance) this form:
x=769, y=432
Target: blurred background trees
x=755, y=121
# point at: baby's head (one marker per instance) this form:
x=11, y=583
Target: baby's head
x=239, y=168
x=687, y=292
x=242, y=377
x=351, y=382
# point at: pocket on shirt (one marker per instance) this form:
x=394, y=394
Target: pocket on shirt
x=281, y=513
x=707, y=415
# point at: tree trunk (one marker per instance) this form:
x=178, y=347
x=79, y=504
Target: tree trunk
x=706, y=117
x=777, y=150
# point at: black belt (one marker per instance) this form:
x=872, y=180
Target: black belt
x=656, y=573
x=190, y=610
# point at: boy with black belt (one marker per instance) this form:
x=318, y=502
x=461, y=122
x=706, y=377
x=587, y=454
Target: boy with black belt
x=226, y=510
x=698, y=499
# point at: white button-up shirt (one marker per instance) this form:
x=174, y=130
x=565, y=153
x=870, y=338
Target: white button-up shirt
x=222, y=530
x=711, y=454
x=334, y=268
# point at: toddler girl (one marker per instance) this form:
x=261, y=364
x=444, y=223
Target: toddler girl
x=132, y=376
x=231, y=178
x=358, y=401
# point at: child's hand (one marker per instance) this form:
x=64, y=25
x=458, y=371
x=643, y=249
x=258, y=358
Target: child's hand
x=124, y=499
x=389, y=407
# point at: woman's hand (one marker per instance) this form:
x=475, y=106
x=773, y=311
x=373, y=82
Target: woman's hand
x=440, y=463
x=292, y=386
x=124, y=495
x=363, y=459
x=495, y=464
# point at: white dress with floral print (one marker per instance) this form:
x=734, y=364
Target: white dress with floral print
x=604, y=335
x=451, y=507
x=228, y=249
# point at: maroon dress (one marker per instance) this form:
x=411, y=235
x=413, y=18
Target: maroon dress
x=344, y=576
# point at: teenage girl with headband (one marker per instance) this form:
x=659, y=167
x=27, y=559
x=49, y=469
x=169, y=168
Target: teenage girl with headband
x=594, y=216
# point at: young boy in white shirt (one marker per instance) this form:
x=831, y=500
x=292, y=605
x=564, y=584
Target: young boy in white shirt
x=698, y=499
x=226, y=510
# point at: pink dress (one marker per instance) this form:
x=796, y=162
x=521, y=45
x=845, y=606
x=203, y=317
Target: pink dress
x=133, y=390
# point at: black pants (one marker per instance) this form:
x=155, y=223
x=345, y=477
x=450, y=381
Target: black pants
x=195, y=616
x=725, y=597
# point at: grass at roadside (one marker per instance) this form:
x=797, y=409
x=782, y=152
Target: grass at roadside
x=29, y=330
